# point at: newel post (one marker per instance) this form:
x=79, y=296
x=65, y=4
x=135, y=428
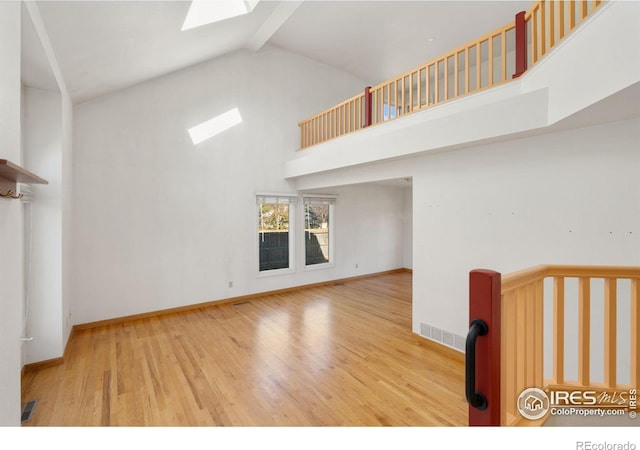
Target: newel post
x=521, y=45
x=484, y=305
x=367, y=107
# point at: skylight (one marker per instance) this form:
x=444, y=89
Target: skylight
x=215, y=126
x=203, y=12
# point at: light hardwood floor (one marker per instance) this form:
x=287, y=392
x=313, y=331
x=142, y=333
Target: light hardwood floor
x=338, y=355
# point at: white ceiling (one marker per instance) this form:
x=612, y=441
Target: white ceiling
x=377, y=40
x=103, y=46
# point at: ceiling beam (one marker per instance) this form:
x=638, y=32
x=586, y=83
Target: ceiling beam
x=277, y=18
x=41, y=30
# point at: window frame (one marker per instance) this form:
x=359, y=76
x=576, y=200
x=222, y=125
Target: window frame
x=331, y=201
x=291, y=201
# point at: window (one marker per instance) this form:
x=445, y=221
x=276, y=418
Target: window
x=318, y=230
x=204, y=12
x=275, y=233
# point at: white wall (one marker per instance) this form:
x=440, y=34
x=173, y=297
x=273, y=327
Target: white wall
x=11, y=281
x=67, y=208
x=160, y=223
x=42, y=149
x=407, y=217
x=565, y=198
x=369, y=229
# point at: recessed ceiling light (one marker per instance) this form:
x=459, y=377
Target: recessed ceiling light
x=214, y=126
x=431, y=39
x=203, y=12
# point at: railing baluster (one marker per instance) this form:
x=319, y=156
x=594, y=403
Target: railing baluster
x=503, y=55
x=374, y=106
x=411, y=92
x=552, y=27
x=446, y=78
x=538, y=322
x=543, y=30
x=490, y=65
x=561, y=19
x=354, y=114
x=558, y=330
x=456, y=69
x=509, y=354
x=534, y=31
x=583, y=9
x=467, y=71
x=437, y=83
x=393, y=99
x=334, y=122
x=478, y=67
x=368, y=107
x=610, y=329
x=635, y=333
x=345, y=119
x=572, y=15
x=419, y=90
x=429, y=89
x=325, y=125
x=382, y=103
x=584, y=331
x=521, y=340
x=530, y=335
x=400, y=96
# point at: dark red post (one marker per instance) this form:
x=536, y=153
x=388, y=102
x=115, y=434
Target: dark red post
x=521, y=45
x=367, y=107
x=484, y=304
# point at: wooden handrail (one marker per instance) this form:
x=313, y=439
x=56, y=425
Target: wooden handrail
x=450, y=76
x=520, y=278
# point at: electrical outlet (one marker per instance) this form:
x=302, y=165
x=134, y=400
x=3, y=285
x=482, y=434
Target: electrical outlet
x=356, y=265
x=230, y=284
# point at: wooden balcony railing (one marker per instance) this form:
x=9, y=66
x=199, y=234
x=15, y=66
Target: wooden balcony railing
x=493, y=59
x=478, y=65
x=548, y=22
x=515, y=314
x=339, y=120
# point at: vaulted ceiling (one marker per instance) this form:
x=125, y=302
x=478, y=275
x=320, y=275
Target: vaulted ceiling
x=103, y=46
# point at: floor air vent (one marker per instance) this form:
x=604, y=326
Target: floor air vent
x=443, y=337
x=28, y=410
